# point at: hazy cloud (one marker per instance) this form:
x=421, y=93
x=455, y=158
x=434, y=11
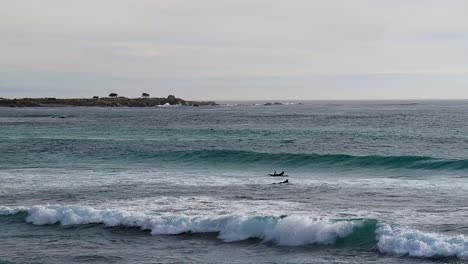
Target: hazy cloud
x=243, y=49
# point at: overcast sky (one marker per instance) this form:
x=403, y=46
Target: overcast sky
x=237, y=49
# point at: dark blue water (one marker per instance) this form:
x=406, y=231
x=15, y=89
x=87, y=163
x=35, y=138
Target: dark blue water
x=374, y=181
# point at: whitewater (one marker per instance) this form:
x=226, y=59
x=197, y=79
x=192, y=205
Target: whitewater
x=369, y=182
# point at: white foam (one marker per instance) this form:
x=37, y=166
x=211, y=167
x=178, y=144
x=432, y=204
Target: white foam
x=294, y=230
x=297, y=230
x=168, y=105
x=5, y=210
x=401, y=241
x=290, y=231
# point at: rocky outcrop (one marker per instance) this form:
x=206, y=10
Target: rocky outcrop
x=275, y=103
x=101, y=102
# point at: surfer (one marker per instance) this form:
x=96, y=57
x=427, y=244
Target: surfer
x=285, y=181
x=277, y=174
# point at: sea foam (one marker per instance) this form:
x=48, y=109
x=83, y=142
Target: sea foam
x=289, y=231
x=5, y=210
x=401, y=241
x=297, y=230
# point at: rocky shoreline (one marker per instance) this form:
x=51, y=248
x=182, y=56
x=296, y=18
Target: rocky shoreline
x=102, y=102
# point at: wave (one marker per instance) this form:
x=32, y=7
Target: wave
x=293, y=230
x=287, y=231
x=401, y=241
x=98, y=151
x=315, y=160
x=5, y=210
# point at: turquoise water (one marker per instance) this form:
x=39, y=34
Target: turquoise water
x=369, y=182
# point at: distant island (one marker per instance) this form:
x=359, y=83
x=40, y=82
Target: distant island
x=113, y=100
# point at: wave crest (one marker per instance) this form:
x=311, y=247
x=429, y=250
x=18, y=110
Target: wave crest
x=284, y=230
x=297, y=160
x=400, y=241
x=288, y=231
x=5, y=210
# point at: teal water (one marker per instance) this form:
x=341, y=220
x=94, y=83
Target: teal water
x=369, y=182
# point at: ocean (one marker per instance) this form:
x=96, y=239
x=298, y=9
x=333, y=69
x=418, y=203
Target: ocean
x=368, y=182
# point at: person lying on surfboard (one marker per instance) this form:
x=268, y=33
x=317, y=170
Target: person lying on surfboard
x=285, y=181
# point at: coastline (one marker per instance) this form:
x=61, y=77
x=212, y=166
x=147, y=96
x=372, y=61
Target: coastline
x=101, y=102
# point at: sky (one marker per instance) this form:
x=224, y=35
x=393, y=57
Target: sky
x=236, y=49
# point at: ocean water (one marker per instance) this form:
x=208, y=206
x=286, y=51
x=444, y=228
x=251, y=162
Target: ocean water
x=369, y=182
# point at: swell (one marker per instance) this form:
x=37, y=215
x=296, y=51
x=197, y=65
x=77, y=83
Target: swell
x=292, y=160
x=296, y=230
x=97, y=152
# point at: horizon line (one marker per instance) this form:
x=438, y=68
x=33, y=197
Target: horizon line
x=263, y=99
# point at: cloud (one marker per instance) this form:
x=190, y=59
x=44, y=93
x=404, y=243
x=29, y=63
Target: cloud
x=132, y=49
x=213, y=42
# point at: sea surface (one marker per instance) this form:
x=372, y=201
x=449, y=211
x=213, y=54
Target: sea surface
x=369, y=182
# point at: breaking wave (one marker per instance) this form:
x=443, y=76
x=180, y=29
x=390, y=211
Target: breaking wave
x=283, y=230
